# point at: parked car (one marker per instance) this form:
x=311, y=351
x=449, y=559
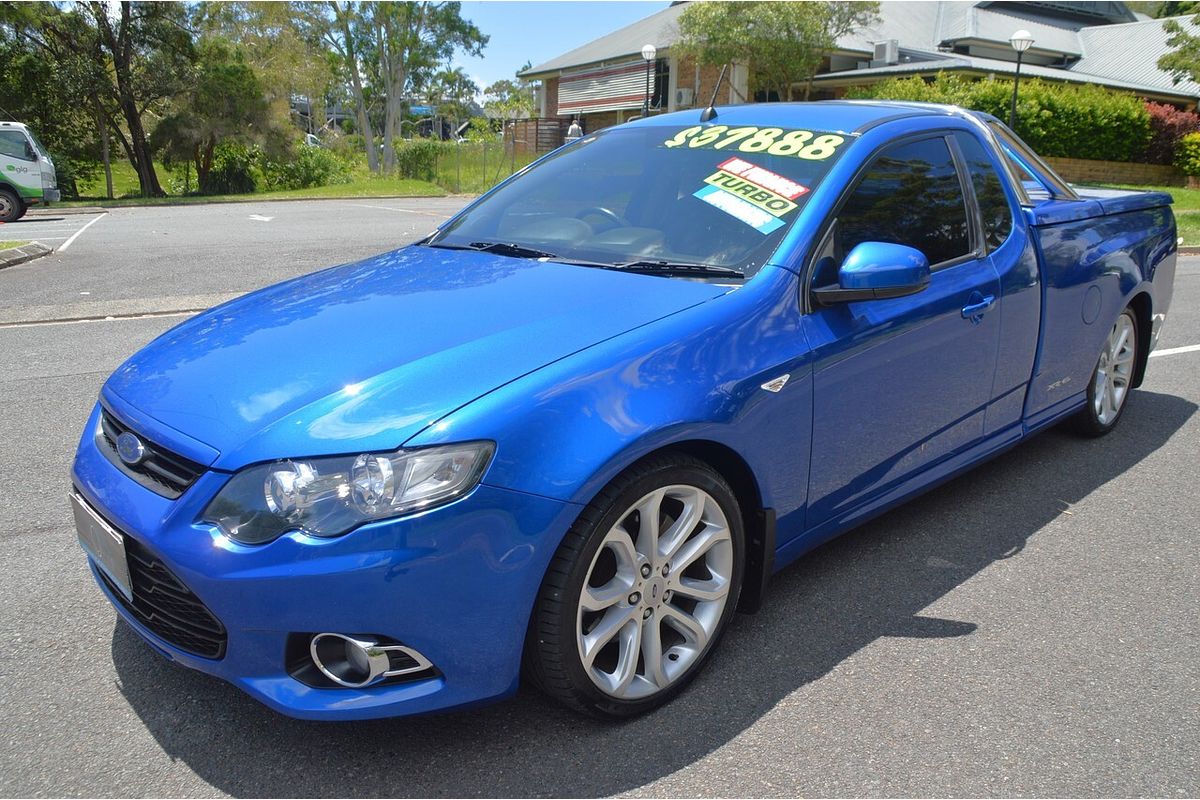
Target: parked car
x=27, y=174
x=587, y=418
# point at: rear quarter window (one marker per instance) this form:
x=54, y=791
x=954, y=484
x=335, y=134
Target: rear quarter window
x=989, y=192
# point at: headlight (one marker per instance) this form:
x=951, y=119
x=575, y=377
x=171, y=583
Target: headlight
x=330, y=496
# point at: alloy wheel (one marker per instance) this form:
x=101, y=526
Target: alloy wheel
x=1114, y=373
x=655, y=592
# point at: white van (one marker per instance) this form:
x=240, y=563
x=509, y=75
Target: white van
x=27, y=174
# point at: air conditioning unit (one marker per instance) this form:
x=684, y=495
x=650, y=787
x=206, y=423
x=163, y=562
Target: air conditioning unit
x=887, y=52
x=683, y=98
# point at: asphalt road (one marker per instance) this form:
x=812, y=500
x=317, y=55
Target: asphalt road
x=1032, y=628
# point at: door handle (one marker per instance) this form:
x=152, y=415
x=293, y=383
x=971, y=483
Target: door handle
x=975, y=311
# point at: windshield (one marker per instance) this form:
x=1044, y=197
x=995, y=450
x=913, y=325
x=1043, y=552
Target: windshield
x=41, y=150
x=713, y=195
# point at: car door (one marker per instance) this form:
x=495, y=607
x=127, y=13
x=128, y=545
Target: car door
x=900, y=384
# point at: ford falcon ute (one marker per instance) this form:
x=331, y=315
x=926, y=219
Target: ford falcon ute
x=565, y=436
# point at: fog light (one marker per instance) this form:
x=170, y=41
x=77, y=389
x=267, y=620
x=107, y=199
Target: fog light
x=359, y=662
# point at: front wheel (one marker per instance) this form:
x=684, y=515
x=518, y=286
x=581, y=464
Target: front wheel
x=1112, y=379
x=640, y=590
x=11, y=207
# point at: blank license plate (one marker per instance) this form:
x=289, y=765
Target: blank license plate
x=105, y=545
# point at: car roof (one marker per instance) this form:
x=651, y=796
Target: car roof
x=828, y=115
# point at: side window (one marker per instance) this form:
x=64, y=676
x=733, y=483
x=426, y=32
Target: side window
x=989, y=192
x=910, y=194
x=14, y=144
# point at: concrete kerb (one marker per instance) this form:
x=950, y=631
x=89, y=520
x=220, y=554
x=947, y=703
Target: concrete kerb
x=12, y=256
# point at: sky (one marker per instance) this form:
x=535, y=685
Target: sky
x=539, y=31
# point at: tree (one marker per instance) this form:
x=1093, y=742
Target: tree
x=509, y=99
x=384, y=49
x=288, y=58
x=51, y=89
x=1183, y=62
x=452, y=92
x=781, y=43
x=226, y=100
x=139, y=55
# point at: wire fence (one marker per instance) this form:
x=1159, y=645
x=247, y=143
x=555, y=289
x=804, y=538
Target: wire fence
x=475, y=167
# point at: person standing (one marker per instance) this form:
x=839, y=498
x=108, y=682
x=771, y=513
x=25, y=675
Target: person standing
x=575, y=131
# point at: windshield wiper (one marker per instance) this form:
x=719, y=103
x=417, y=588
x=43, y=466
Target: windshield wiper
x=647, y=267
x=499, y=248
x=678, y=268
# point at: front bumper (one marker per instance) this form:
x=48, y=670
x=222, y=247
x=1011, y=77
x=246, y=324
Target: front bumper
x=51, y=196
x=456, y=583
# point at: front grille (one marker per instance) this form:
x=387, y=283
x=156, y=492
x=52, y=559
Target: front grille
x=161, y=471
x=166, y=606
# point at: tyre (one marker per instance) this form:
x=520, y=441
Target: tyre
x=640, y=591
x=24, y=209
x=1112, y=379
x=11, y=207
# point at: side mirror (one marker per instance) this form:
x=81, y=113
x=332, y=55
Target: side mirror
x=30, y=153
x=876, y=271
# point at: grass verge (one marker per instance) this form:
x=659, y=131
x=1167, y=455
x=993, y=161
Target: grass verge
x=11, y=245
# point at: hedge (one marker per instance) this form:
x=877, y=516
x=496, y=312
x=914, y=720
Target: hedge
x=1167, y=126
x=1064, y=120
x=1187, y=154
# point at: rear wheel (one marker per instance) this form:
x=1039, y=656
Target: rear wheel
x=1112, y=379
x=640, y=590
x=11, y=207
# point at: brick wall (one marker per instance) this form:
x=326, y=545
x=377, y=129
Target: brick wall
x=686, y=79
x=551, y=89
x=1079, y=170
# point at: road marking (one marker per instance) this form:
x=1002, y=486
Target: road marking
x=107, y=318
x=260, y=218
x=75, y=235
x=402, y=210
x=1174, y=351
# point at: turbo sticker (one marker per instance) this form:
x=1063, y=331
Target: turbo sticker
x=734, y=176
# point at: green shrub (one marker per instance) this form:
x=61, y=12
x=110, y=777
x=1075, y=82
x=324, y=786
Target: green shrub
x=417, y=158
x=1187, y=154
x=1065, y=120
x=232, y=170
x=307, y=166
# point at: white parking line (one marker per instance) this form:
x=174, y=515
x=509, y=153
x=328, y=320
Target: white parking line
x=75, y=235
x=402, y=210
x=1174, y=351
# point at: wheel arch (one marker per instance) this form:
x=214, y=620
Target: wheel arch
x=1143, y=310
x=758, y=521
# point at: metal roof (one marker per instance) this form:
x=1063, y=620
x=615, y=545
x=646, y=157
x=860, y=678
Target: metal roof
x=1130, y=52
x=659, y=29
x=915, y=24
x=952, y=63
x=1121, y=55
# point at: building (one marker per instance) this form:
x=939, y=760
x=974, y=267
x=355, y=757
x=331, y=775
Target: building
x=1105, y=43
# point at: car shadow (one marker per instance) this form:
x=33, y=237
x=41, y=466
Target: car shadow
x=868, y=584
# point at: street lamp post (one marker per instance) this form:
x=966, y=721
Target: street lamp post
x=1021, y=41
x=648, y=53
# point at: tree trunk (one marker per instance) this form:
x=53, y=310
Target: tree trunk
x=120, y=45
x=360, y=103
